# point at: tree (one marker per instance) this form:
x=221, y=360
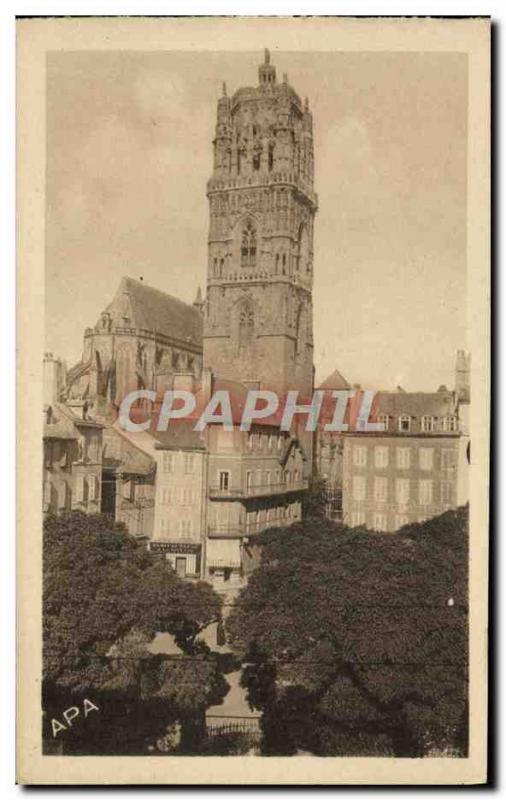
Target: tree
x=314, y=500
x=104, y=599
x=356, y=642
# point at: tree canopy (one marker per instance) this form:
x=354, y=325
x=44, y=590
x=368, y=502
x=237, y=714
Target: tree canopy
x=356, y=642
x=104, y=599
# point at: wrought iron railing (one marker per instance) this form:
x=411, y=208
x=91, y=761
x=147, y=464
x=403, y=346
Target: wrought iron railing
x=259, y=490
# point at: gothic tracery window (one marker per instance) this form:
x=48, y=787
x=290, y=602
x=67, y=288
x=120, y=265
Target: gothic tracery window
x=246, y=325
x=249, y=246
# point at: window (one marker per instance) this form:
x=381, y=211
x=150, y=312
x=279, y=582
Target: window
x=380, y=522
x=400, y=520
x=288, y=477
x=62, y=495
x=80, y=488
x=425, y=492
x=127, y=490
x=402, y=490
x=249, y=246
x=296, y=476
x=358, y=518
x=358, y=487
x=92, y=487
x=426, y=458
x=268, y=478
x=359, y=456
x=164, y=527
x=447, y=458
x=249, y=480
x=188, y=463
x=224, y=479
x=380, y=489
x=271, y=441
x=256, y=161
x=384, y=420
x=47, y=494
x=166, y=497
x=185, y=527
x=427, y=424
x=381, y=457
x=246, y=325
x=403, y=457
x=168, y=462
x=271, y=157
x=446, y=493
x=186, y=497
x=450, y=424
x=404, y=423
x=280, y=443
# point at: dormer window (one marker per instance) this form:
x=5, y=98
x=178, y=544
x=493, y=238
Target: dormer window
x=404, y=424
x=450, y=424
x=383, y=420
x=427, y=424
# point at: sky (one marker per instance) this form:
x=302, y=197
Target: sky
x=129, y=152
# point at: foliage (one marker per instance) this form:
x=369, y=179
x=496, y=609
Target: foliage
x=314, y=500
x=356, y=641
x=104, y=598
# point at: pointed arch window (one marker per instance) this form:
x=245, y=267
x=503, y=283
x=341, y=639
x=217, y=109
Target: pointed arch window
x=271, y=157
x=249, y=246
x=246, y=325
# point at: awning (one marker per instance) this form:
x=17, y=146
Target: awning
x=223, y=553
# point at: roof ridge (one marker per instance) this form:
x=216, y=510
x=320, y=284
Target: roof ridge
x=159, y=291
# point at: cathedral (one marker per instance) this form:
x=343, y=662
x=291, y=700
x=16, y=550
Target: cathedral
x=202, y=498
x=141, y=339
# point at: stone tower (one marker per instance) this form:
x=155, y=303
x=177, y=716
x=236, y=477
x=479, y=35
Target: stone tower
x=258, y=324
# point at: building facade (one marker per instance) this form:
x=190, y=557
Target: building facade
x=180, y=499
x=416, y=469
x=72, y=460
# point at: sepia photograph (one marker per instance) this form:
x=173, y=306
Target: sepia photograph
x=259, y=310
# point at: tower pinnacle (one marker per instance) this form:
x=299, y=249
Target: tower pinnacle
x=266, y=71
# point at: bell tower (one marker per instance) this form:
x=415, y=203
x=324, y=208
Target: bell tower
x=258, y=319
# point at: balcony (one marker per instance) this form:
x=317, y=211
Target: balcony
x=265, y=490
x=238, y=530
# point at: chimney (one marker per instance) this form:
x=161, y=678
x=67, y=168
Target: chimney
x=463, y=376
x=53, y=378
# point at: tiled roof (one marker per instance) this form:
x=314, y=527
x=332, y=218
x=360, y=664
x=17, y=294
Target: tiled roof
x=179, y=435
x=138, y=305
x=417, y=404
x=335, y=381
x=60, y=429
x=65, y=422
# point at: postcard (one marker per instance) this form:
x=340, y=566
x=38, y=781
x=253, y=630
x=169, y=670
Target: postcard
x=253, y=400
